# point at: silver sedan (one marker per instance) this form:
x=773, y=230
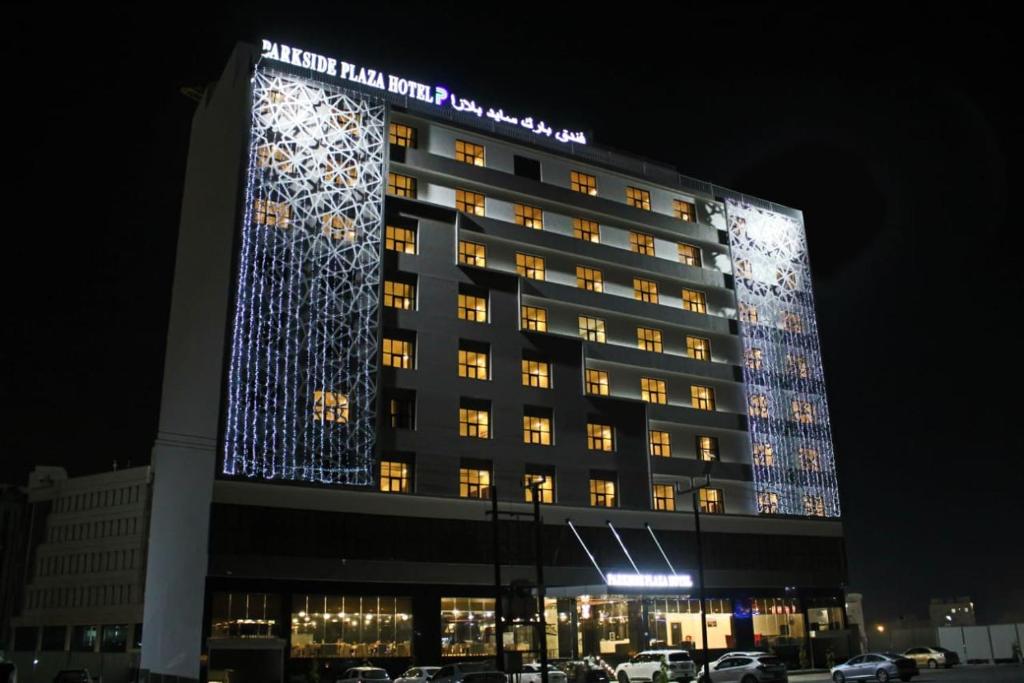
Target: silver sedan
x=876, y=666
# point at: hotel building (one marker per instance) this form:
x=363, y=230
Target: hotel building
x=392, y=302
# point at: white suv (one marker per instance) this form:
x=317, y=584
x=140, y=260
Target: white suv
x=657, y=666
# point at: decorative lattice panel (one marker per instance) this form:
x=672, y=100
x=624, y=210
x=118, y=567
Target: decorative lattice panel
x=794, y=462
x=302, y=379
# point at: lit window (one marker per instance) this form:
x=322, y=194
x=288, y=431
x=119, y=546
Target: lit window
x=797, y=365
x=809, y=459
x=758, y=405
x=698, y=348
x=768, y=503
x=583, y=182
x=394, y=476
x=707, y=448
x=591, y=329
x=472, y=254
x=473, y=364
x=743, y=268
x=400, y=239
x=764, y=454
x=754, y=358
x=401, y=135
x=533, y=318
x=641, y=243
x=474, y=422
x=536, y=373
x=349, y=122
x=469, y=153
x=537, y=429
x=472, y=308
x=341, y=173
x=648, y=339
x=397, y=353
x=273, y=156
x=786, y=279
x=702, y=398
x=711, y=500
x=661, y=444
x=529, y=216
x=582, y=229
x=645, y=290
x=600, y=437
x=596, y=382
x=664, y=497
x=682, y=210
x=803, y=412
x=338, y=227
x=638, y=198
x=602, y=493
x=689, y=254
x=330, y=406
x=474, y=483
x=469, y=202
x=792, y=322
x=748, y=313
x=814, y=506
x=530, y=266
x=266, y=212
x=401, y=185
x=653, y=390
x=589, y=279
x=543, y=483
x=401, y=406
x=694, y=301
x=399, y=295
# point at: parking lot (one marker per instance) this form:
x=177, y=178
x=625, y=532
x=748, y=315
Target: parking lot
x=960, y=674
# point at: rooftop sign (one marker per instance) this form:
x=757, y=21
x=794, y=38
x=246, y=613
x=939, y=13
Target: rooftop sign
x=648, y=581
x=435, y=95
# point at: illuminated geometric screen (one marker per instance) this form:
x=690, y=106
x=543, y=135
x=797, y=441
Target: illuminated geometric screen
x=301, y=392
x=793, y=457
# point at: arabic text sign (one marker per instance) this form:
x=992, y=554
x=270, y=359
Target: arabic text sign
x=436, y=95
x=649, y=581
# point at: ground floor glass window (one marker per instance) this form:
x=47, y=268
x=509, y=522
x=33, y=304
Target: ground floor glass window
x=359, y=626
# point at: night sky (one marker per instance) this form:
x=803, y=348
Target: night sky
x=892, y=132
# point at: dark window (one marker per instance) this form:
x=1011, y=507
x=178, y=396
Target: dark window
x=527, y=168
x=137, y=637
x=83, y=639
x=115, y=638
x=25, y=638
x=53, y=638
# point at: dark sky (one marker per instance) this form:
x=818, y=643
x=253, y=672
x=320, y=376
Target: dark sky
x=892, y=132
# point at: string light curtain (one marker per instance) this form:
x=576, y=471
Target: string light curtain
x=302, y=376
x=787, y=408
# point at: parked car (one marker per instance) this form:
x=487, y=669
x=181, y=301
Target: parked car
x=469, y=672
x=417, y=674
x=582, y=671
x=746, y=667
x=876, y=666
x=933, y=657
x=647, y=666
x=531, y=674
x=73, y=676
x=364, y=674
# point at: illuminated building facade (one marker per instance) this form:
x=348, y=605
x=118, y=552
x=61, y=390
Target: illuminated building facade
x=390, y=299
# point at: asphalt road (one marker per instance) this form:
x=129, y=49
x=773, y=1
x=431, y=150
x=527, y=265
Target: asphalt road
x=973, y=673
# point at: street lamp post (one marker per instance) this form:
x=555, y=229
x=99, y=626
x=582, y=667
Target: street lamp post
x=694, y=490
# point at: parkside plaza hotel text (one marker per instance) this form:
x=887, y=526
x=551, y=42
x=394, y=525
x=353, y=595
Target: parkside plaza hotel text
x=391, y=303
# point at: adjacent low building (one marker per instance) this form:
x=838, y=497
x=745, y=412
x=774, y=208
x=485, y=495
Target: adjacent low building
x=82, y=595
x=392, y=303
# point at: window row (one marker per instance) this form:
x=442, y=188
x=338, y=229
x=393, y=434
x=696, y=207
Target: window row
x=475, y=482
x=83, y=638
x=78, y=502
x=652, y=389
x=795, y=364
x=70, y=597
x=800, y=411
x=82, y=563
x=585, y=183
x=83, y=531
x=808, y=459
x=768, y=504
